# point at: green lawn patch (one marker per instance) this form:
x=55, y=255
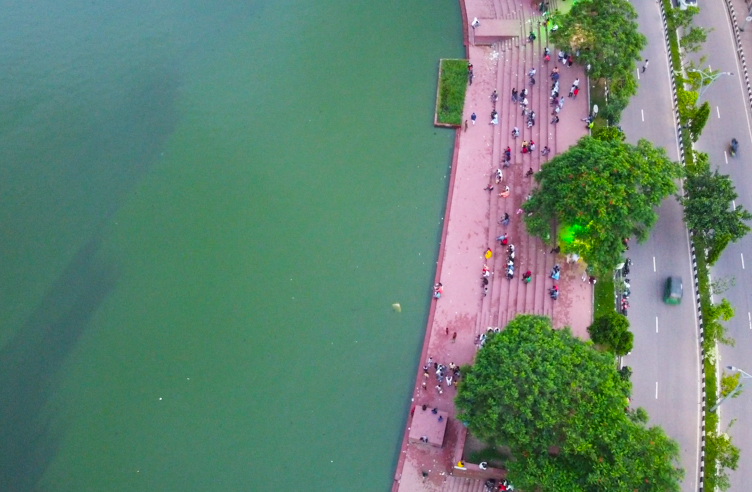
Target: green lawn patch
x=451, y=92
x=604, y=297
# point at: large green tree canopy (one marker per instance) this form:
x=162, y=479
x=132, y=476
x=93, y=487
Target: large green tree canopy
x=602, y=190
x=605, y=35
x=708, y=209
x=560, y=407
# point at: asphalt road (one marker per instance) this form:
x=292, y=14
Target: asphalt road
x=730, y=118
x=665, y=358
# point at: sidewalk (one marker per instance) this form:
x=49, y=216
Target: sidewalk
x=472, y=223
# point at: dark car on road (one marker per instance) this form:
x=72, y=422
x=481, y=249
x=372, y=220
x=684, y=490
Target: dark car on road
x=672, y=293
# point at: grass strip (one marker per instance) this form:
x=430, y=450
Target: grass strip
x=604, y=297
x=451, y=93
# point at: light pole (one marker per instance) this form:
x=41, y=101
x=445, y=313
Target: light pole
x=736, y=388
x=746, y=19
x=704, y=76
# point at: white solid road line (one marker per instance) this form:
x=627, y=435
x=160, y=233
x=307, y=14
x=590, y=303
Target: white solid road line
x=653, y=264
x=656, y=390
x=638, y=73
x=642, y=112
x=656, y=324
x=725, y=156
x=718, y=110
x=749, y=317
x=733, y=204
x=742, y=260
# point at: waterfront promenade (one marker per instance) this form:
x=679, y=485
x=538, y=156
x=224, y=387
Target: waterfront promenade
x=472, y=223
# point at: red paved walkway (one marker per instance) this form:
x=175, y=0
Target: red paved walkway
x=472, y=224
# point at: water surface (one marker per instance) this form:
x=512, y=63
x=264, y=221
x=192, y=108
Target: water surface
x=207, y=211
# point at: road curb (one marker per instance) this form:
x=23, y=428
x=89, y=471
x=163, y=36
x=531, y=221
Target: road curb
x=695, y=276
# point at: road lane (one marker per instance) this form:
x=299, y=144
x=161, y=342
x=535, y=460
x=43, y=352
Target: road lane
x=665, y=358
x=732, y=120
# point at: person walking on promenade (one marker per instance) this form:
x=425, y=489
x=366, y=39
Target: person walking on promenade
x=545, y=150
x=529, y=173
x=465, y=125
x=514, y=95
x=570, y=61
x=576, y=91
x=473, y=117
x=494, y=117
x=555, y=120
x=438, y=289
x=645, y=66
x=494, y=97
x=505, y=220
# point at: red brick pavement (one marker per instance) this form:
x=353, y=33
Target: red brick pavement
x=472, y=224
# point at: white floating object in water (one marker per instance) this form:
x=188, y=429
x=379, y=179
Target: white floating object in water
x=396, y=306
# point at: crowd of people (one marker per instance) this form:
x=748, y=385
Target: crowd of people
x=445, y=375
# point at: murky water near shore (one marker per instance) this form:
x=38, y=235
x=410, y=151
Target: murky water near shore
x=207, y=211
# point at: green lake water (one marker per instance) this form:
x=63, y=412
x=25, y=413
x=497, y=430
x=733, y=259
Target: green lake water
x=207, y=210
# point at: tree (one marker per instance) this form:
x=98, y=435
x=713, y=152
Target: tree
x=609, y=133
x=708, y=208
x=686, y=101
x=693, y=39
x=621, y=89
x=698, y=120
x=560, y=407
x=680, y=19
x=729, y=382
x=720, y=450
x=612, y=331
x=603, y=34
x=602, y=191
x=625, y=373
x=713, y=328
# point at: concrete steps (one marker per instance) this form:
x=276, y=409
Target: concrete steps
x=457, y=484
